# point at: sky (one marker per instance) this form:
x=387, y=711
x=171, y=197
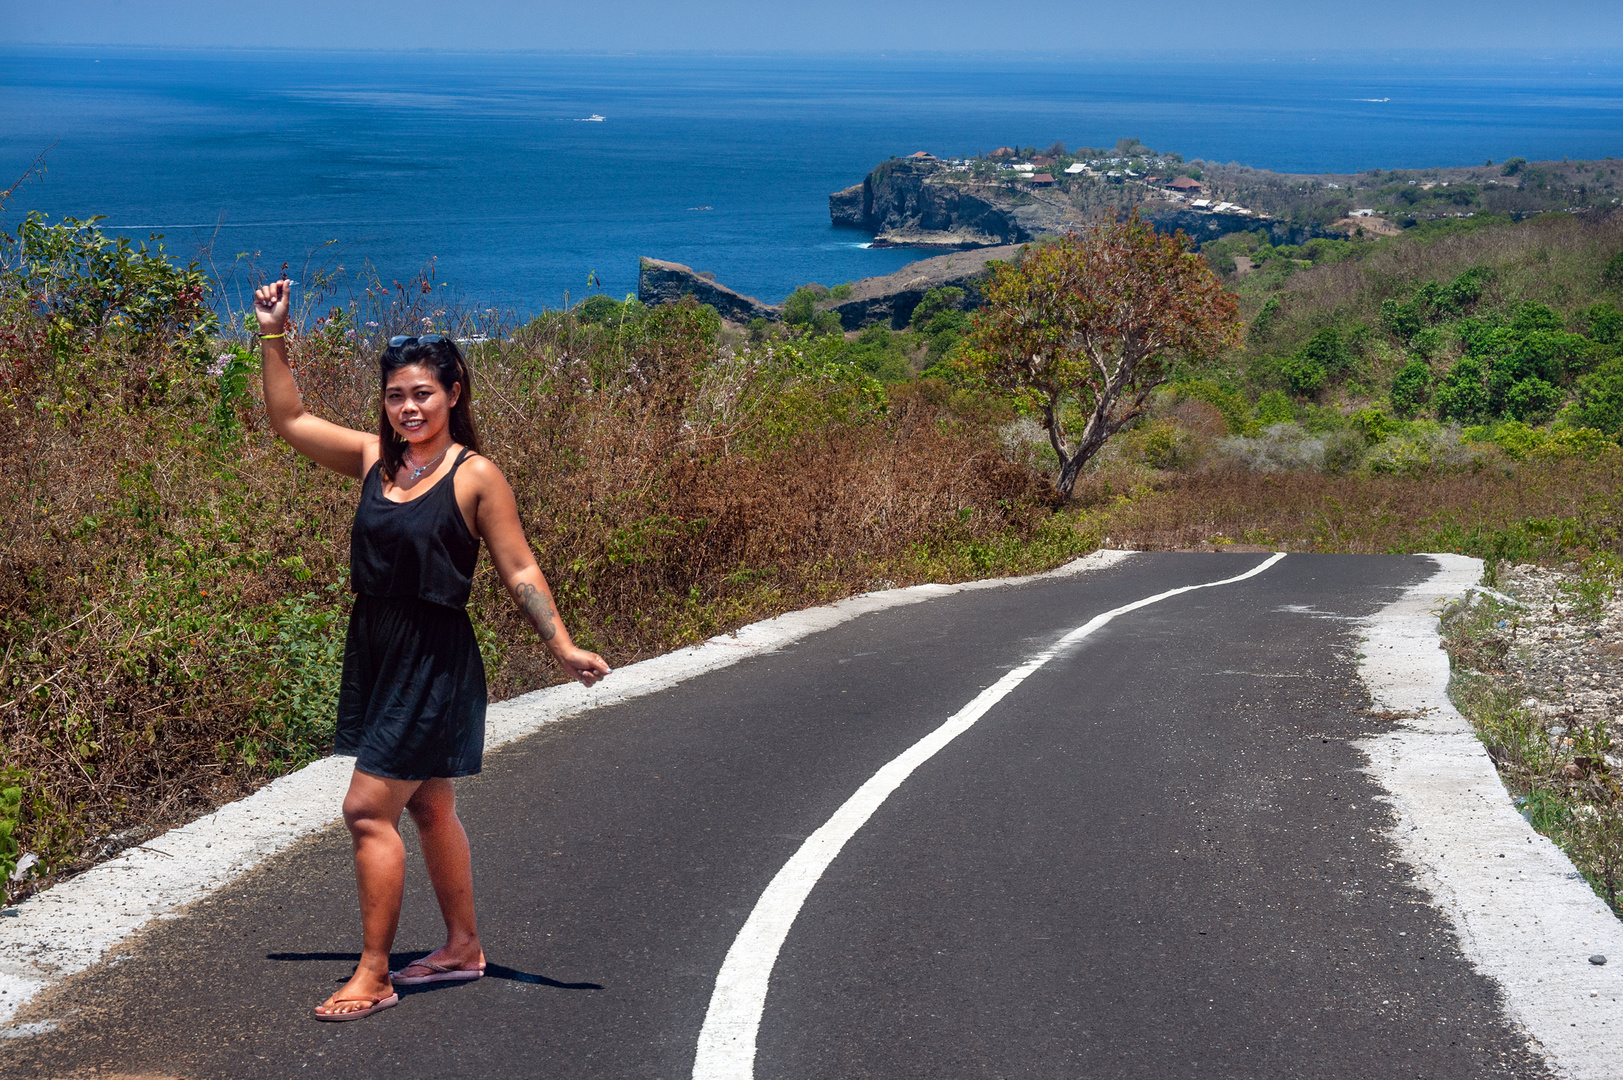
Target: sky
x=1045, y=27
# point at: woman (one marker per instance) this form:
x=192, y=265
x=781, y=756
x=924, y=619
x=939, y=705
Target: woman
x=411, y=707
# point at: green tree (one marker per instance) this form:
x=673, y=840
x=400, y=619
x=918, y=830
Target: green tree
x=800, y=310
x=1605, y=324
x=1532, y=400
x=936, y=300
x=1598, y=400
x=1324, y=355
x=1463, y=395
x=1095, y=320
x=1411, y=387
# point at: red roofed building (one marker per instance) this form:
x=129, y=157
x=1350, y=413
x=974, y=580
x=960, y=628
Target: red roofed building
x=922, y=154
x=1042, y=179
x=1185, y=183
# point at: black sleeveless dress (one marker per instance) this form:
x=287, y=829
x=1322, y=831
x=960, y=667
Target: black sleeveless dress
x=412, y=702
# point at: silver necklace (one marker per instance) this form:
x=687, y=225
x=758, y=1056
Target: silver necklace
x=421, y=469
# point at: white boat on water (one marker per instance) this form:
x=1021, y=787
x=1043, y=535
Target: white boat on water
x=593, y=119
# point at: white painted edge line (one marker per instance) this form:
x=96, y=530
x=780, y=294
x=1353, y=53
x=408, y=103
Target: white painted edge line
x=65, y=930
x=1522, y=914
x=726, y=1049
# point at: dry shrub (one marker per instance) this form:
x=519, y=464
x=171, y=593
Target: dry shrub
x=1307, y=511
x=173, y=592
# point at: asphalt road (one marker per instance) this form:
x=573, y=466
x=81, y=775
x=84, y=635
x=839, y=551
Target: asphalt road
x=1157, y=857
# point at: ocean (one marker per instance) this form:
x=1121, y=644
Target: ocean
x=489, y=166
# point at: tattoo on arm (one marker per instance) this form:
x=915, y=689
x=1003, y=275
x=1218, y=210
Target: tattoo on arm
x=535, y=604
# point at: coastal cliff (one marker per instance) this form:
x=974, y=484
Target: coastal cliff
x=661, y=282
x=928, y=203
x=917, y=203
x=888, y=299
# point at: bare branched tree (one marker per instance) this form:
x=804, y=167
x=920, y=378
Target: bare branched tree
x=1089, y=324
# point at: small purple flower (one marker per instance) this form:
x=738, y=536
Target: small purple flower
x=217, y=368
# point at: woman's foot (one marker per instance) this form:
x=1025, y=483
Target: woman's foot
x=362, y=996
x=443, y=965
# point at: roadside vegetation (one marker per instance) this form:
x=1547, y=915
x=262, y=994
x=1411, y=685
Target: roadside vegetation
x=1558, y=755
x=173, y=591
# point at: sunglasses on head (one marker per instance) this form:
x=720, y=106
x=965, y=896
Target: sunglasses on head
x=401, y=340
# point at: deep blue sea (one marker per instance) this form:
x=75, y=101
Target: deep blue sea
x=484, y=164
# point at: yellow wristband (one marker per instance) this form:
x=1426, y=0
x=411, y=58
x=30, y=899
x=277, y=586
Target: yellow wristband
x=267, y=337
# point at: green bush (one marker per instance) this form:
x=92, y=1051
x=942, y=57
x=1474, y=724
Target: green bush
x=800, y=309
x=1402, y=319
x=1463, y=394
x=1411, y=388
x=1161, y=445
x=604, y=310
x=1428, y=342
x=1373, y=424
x=1531, y=316
x=1323, y=356
x=1274, y=408
x=1605, y=324
x=1598, y=400
x=936, y=301
x=1532, y=400
x=10, y=807
x=85, y=286
x=877, y=352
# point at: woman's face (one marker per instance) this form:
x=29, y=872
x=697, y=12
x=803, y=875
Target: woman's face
x=418, y=407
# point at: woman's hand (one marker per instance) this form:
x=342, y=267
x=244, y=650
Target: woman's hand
x=588, y=667
x=270, y=306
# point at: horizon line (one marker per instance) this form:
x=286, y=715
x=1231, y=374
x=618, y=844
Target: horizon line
x=1614, y=53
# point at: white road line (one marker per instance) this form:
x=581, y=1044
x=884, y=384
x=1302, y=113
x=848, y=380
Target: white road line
x=727, y=1040
x=65, y=930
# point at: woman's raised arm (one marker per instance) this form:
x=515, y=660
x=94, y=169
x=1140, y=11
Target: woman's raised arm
x=339, y=448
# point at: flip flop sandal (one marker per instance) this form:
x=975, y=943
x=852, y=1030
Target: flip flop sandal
x=436, y=973
x=377, y=1005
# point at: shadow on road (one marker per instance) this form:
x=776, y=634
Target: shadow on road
x=400, y=960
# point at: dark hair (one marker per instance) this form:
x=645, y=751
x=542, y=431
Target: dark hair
x=445, y=360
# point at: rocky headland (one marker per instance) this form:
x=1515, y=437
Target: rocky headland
x=888, y=299
x=927, y=202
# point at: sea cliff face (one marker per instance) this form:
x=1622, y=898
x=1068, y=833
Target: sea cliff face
x=906, y=202
x=924, y=204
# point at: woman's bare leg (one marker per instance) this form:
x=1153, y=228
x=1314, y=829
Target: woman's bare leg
x=372, y=812
x=450, y=868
